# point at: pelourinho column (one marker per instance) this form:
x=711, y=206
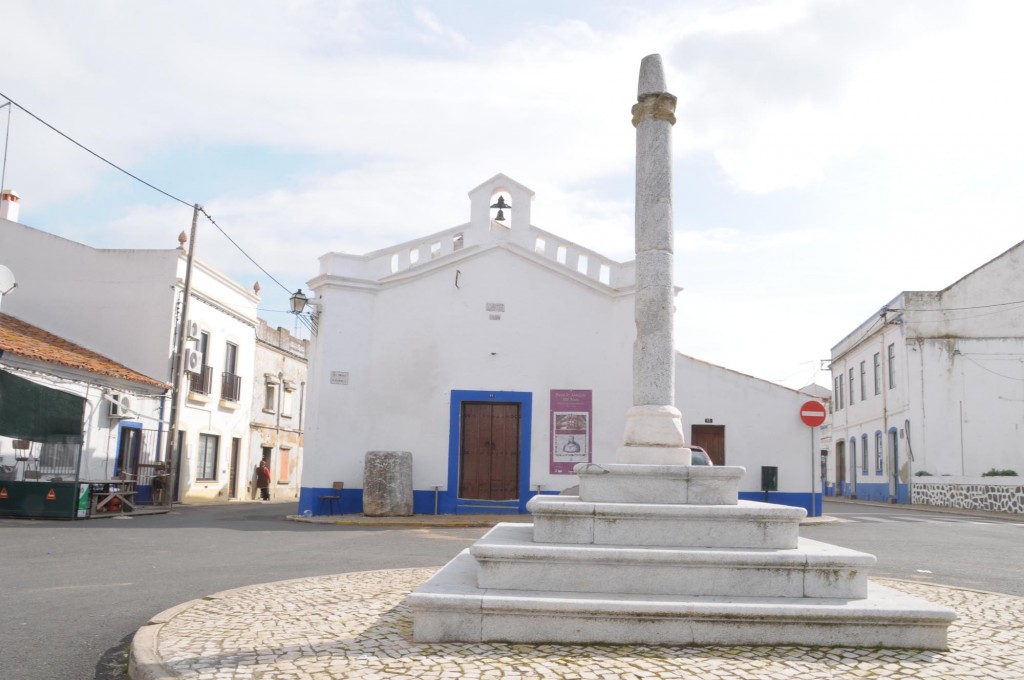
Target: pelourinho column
x=654, y=434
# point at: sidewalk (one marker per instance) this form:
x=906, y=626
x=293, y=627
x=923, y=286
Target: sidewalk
x=357, y=626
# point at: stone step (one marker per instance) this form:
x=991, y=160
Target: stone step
x=675, y=484
x=509, y=560
x=450, y=607
x=745, y=524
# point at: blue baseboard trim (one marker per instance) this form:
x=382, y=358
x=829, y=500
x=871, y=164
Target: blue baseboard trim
x=424, y=502
x=877, y=492
x=313, y=499
x=796, y=500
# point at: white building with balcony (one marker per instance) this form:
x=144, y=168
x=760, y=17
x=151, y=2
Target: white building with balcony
x=500, y=355
x=933, y=385
x=125, y=304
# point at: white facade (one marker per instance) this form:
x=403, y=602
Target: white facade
x=949, y=387
x=125, y=304
x=278, y=402
x=487, y=312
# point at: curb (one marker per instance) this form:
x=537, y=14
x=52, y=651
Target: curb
x=441, y=521
x=144, y=660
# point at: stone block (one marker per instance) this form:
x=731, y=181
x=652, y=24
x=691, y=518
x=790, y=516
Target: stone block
x=387, y=484
x=669, y=484
x=508, y=560
x=746, y=524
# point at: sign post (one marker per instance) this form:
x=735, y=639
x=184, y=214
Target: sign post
x=812, y=413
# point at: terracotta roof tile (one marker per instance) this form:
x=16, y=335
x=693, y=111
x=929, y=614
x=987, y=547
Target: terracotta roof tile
x=22, y=339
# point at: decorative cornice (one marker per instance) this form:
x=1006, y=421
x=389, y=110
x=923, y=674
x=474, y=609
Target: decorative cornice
x=661, y=106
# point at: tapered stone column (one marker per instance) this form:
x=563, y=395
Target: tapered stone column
x=654, y=434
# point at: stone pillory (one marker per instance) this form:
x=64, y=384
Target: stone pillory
x=653, y=426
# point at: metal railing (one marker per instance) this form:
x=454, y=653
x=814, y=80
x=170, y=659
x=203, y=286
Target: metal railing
x=230, y=387
x=200, y=383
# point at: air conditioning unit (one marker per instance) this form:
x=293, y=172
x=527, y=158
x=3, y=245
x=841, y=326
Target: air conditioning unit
x=118, y=406
x=193, y=361
x=193, y=330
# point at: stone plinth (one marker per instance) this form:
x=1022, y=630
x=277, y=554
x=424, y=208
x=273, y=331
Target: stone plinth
x=746, y=524
x=508, y=558
x=683, y=484
x=387, y=484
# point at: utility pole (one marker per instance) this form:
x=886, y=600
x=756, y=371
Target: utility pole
x=173, y=454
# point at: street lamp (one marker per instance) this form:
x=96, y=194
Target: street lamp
x=299, y=300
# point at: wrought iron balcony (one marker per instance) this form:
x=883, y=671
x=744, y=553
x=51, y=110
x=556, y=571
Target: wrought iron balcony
x=230, y=387
x=202, y=382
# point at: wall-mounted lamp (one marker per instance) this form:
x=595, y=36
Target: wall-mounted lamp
x=310, y=320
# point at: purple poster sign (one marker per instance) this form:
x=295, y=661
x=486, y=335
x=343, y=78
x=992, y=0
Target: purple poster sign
x=571, y=429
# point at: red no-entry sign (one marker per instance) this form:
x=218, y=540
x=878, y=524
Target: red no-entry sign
x=812, y=413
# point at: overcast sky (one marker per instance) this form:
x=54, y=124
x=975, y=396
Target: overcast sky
x=828, y=154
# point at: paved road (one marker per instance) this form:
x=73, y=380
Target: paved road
x=75, y=592
x=933, y=547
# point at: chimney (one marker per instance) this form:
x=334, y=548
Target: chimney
x=9, y=205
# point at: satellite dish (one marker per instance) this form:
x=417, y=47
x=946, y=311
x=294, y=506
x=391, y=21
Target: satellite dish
x=7, y=282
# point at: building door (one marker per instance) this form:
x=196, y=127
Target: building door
x=178, y=458
x=128, y=449
x=489, y=451
x=236, y=449
x=840, y=468
x=894, y=465
x=711, y=438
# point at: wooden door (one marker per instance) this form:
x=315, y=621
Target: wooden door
x=236, y=448
x=489, y=451
x=711, y=438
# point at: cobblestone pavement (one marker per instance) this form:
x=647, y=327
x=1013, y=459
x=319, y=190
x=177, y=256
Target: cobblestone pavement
x=357, y=626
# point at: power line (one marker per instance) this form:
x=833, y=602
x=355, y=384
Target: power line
x=87, y=149
x=214, y=223
x=151, y=186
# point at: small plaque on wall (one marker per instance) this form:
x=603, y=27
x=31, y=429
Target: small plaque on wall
x=339, y=377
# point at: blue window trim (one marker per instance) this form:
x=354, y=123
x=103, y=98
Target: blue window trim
x=450, y=502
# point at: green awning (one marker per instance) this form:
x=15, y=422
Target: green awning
x=29, y=410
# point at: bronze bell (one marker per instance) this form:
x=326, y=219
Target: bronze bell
x=501, y=205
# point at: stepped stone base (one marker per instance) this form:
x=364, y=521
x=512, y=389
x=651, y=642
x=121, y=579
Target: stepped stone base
x=507, y=559
x=746, y=524
x=450, y=607
x=666, y=554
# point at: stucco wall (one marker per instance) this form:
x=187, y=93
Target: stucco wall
x=407, y=347
x=97, y=298
x=761, y=419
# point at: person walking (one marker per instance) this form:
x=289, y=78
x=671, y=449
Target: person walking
x=263, y=480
